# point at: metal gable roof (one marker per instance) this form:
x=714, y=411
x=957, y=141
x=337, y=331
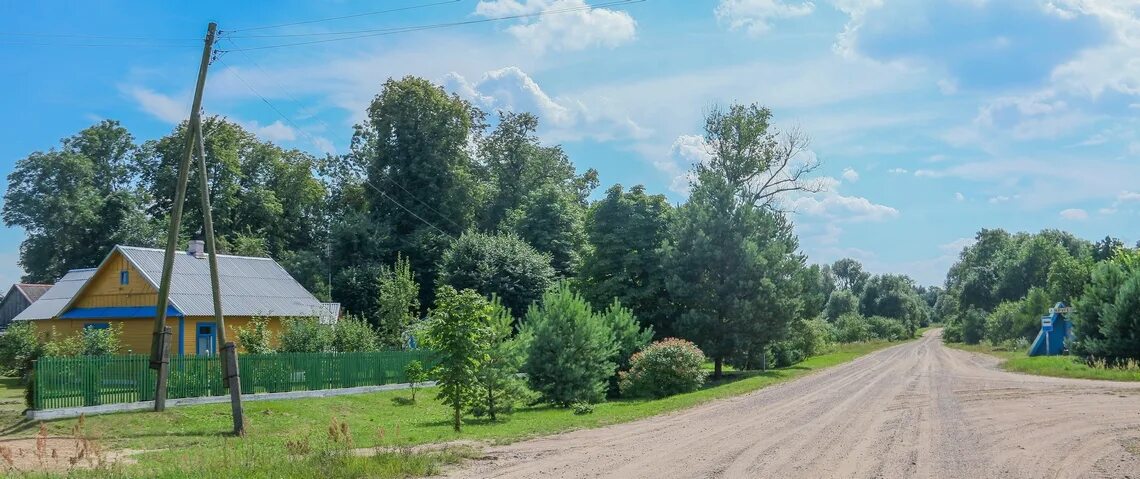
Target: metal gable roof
x=32, y=291
x=57, y=297
x=250, y=286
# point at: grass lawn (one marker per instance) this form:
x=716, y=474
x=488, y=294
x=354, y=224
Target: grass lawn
x=1057, y=366
x=192, y=438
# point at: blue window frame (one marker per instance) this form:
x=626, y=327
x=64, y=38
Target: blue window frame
x=96, y=325
x=124, y=277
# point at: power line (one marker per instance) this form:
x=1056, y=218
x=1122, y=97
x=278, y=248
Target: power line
x=297, y=102
x=314, y=141
x=378, y=12
x=351, y=35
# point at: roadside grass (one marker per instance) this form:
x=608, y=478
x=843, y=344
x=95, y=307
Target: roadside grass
x=1056, y=366
x=188, y=441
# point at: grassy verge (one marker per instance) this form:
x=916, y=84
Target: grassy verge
x=1056, y=366
x=186, y=435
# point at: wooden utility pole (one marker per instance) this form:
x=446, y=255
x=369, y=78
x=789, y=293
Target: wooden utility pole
x=160, y=344
x=231, y=379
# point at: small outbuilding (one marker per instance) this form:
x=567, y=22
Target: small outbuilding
x=19, y=297
x=123, y=290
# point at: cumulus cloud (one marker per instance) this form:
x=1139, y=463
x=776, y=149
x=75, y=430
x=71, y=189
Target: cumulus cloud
x=898, y=171
x=577, y=26
x=959, y=197
x=158, y=105
x=1074, y=214
x=755, y=16
x=276, y=131
x=686, y=151
x=832, y=205
x=512, y=89
x=850, y=175
x=957, y=245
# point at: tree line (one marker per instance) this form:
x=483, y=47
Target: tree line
x=1001, y=285
x=431, y=194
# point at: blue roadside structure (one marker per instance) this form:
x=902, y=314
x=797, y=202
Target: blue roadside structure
x=1055, y=330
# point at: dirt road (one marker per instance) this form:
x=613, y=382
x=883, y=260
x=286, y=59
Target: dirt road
x=914, y=410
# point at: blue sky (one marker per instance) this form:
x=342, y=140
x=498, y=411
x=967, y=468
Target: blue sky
x=931, y=119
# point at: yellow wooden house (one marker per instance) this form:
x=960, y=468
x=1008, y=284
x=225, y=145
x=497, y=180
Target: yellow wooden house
x=123, y=289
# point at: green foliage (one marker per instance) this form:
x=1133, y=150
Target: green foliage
x=19, y=346
x=852, y=328
x=397, y=302
x=352, y=334
x=735, y=262
x=888, y=329
x=1014, y=320
x=1107, y=318
x=500, y=388
x=806, y=338
x=256, y=337
x=849, y=275
x=415, y=151
x=416, y=374
x=91, y=179
x=894, y=296
x=818, y=286
x=629, y=337
x=88, y=342
x=551, y=220
x=305, y=335
x=582, y=408
x=840, y=302
x=570, y=351
x=664, y=368
x=498, y=264
x=460, y=333
x=628, y=233
x=972, y=325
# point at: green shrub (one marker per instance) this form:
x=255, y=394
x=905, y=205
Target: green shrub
x=398, y=302
x=952, y=332
x=664, y=368
x=888, y=329
x=305, y=335
x=629, y=337
x=973, y=323
x=839, y=303
x=852, y=328
x=256, y=337
x=1017, y=319
x=459, y=332
x=582, y=408
x=19, y=346
x=569, y=357
x=1107, y=318
x=416, y=375
x=352, y=334
x=806, y=338
x=502, y=265
x=500, y=388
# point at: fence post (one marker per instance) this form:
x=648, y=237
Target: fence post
x=234, y=382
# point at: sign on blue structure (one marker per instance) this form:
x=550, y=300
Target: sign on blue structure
x=1055, y=329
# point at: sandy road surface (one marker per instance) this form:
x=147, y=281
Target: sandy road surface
x=913, y=410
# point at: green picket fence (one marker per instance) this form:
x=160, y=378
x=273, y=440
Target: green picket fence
x=93, y=380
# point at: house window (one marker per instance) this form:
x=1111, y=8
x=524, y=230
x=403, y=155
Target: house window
x=124, y=277
x=96, y=326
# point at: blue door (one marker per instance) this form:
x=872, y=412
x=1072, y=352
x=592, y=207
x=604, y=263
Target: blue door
x=207, y=339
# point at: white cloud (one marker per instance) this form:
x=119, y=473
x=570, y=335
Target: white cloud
x=927, y=174
x=1127, y=196
x=957, y=245
x=755, y=16
x=948, y=86
x=578, y=26
x=275, y=131
x=563, y=119
x=850, y=175
x=959, y=197
x=834, y=206
x=856, y=10
x=163, y=107
x=1074, y=214
x=687, y=150
x=1002, y=199
x=898, y=171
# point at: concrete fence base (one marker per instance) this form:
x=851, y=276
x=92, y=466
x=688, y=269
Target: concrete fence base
x=60, y=413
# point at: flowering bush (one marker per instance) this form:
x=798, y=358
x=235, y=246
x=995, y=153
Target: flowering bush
x=664, y=368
